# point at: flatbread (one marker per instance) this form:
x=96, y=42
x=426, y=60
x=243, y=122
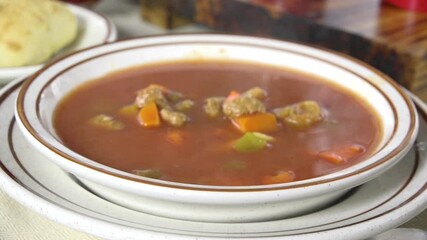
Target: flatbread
x=31, y=31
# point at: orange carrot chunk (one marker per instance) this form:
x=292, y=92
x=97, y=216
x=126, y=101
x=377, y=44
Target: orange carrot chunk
x=148, y=116
x=259, y=122
x=331, y=157
x=232, y=95
x=279, y=177
x=342, y=155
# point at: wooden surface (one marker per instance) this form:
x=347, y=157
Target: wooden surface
x=391, y=39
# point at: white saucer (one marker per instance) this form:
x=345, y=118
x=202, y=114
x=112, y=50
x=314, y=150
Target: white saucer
x=381, y=204
x=93, y=29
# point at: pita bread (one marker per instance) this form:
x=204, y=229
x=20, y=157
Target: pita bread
x=31, y=31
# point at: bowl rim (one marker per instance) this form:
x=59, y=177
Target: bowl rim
x=404, y=144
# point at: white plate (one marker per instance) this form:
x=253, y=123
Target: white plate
x=93, y=29
x=381, y=204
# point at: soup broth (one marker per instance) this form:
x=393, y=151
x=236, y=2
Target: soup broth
x=203, y=149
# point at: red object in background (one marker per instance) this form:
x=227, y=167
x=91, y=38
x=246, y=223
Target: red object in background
x=413, y=5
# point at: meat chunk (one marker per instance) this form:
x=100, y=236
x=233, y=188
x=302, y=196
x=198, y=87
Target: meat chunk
x=152, y=93
x=213, y=106
x=106, y=122
x=184, y=105
x=242, y=105
x=256, y=92
x=300, y=115
x=174, y=118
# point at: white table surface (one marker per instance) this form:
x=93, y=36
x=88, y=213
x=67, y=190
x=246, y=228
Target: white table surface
x=20, y=223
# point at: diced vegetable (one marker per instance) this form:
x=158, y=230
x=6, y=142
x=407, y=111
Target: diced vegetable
x=251, y=142
x=152, y=93
x=161, y=96
x=266, y=137
x=232, y=95
x=150, y=173
x=106, y=122
x=235, y=165
x=174, y=118
x=184, y=105
x=301, y=115
x=256, y=92
x=260, y=122
x=175, y=136
x=213, y=106
x=129, y=110
x=148, y=116
x=279, y=177
x=342, y=155
x=242, y=105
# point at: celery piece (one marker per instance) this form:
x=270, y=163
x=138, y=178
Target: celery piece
x=251, y=142
x=129, y=110
x=264, y=136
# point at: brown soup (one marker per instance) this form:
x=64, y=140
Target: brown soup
x=204, y=149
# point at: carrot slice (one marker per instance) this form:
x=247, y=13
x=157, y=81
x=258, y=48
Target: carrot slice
x=279, y=177
x=259, y=122
x=342, y=155
x=332, y=157
x=232, y=95
x=148, y=116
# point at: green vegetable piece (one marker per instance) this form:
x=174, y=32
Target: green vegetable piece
x=264, y=136
x=129, y=110
x=150, y=173
x=106, y=122
x=251, y=142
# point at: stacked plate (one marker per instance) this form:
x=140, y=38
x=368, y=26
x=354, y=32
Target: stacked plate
x=381, y=193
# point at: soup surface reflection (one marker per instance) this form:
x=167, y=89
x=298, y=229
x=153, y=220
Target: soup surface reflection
x=111, y=121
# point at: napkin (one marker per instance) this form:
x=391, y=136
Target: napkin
x=20, y=223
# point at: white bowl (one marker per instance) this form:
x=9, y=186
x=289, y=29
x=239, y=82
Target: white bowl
x=93, y=29
x=41, y=93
